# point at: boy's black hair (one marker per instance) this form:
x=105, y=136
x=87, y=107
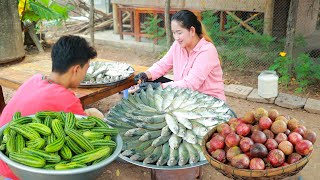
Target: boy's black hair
x=69, y=51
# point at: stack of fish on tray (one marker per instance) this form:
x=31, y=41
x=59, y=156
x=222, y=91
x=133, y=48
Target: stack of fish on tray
x=101, y=72
x=166, y=126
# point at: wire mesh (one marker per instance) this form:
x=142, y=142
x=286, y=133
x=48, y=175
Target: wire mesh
x=239, y=36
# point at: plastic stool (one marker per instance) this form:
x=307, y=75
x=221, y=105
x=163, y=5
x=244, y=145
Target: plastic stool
x=125, y=93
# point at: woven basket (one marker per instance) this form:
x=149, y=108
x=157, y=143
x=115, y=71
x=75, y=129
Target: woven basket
x=235, y=173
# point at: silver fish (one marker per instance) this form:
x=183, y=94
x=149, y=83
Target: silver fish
x=165, y=131
x=165, y=153
x=184, y=121
x=167, y=100
x=190, y=137
x=186, y=114
x=172, y=123
x=193, y=153
x=207, y=121
x=183, y=155
x=174, y=141
x=173, y=157
x=158, y=100
x=182, y=131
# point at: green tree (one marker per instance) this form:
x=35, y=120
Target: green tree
x=33, y=12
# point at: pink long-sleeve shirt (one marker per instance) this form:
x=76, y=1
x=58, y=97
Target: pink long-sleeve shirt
x=200, y=70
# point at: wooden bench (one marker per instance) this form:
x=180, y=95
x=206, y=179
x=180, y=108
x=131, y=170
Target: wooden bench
x=14, y=76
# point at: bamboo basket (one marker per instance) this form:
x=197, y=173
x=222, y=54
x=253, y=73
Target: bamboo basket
x=246, y=174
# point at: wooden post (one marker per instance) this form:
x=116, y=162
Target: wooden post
x=291, y=28
x=167, y=23
x=268, y=17
x=115, y=19
x=91, y=23
x=222, y=20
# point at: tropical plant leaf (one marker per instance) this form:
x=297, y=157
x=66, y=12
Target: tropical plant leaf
x=45, y=2
x=43, y=12
x=62, y=10
x=30, y=15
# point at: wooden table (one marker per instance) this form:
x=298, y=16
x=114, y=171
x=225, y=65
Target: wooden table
x=14, y=76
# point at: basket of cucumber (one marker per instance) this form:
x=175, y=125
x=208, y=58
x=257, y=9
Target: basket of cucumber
x=58, y=145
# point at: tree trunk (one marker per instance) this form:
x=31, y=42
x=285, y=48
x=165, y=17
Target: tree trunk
x=30, y=28
x=291, y=31
x=11, y=43
x=91, y=22
x=168, y=26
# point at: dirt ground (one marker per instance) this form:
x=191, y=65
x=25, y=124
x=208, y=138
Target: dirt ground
x=120, y=170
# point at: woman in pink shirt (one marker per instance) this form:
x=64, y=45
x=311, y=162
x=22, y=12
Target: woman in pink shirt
x=193, y=58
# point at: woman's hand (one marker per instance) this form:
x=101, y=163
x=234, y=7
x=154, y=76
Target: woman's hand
x=143, y=77
x=144, y=85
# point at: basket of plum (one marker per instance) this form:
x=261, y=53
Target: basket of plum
x=260, y=145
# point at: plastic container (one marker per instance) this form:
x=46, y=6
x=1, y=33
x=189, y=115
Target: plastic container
x=268, y=84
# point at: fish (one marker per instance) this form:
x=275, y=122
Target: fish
x=167, y=100
x=154, y=156
x=165, y=131
x=199, y=129
x=186, y=114
x=184, y=121
x=193, y=153
x=207, y=121
x=183, y=155
x=182, y=131
x=150, y=135
x=190, y=137
x=165, y=153
x=135, y=132
x=158, y=102
x=173, y=157
x=160, y=140
x=172, y=123
x=174, y=141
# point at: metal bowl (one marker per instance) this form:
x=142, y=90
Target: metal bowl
x=86, y=173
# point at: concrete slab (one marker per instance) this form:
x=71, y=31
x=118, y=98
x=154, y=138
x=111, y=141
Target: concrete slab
x=253, y=96
x=109, y=38
x=290, y=101
x=312, y=105
x=238, y=91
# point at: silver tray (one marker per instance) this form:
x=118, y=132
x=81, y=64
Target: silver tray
x=152, y=166
x=96, y=85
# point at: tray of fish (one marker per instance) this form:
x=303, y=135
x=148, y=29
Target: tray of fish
x=163, y=128
x=101, y=73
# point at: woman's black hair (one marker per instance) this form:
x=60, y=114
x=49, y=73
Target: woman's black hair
x=69, y=51
x=188, y=19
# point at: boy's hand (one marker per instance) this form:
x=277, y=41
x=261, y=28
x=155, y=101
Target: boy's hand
x=94, y=112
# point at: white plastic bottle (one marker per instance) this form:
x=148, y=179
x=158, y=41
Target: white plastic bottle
x=268, y=84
